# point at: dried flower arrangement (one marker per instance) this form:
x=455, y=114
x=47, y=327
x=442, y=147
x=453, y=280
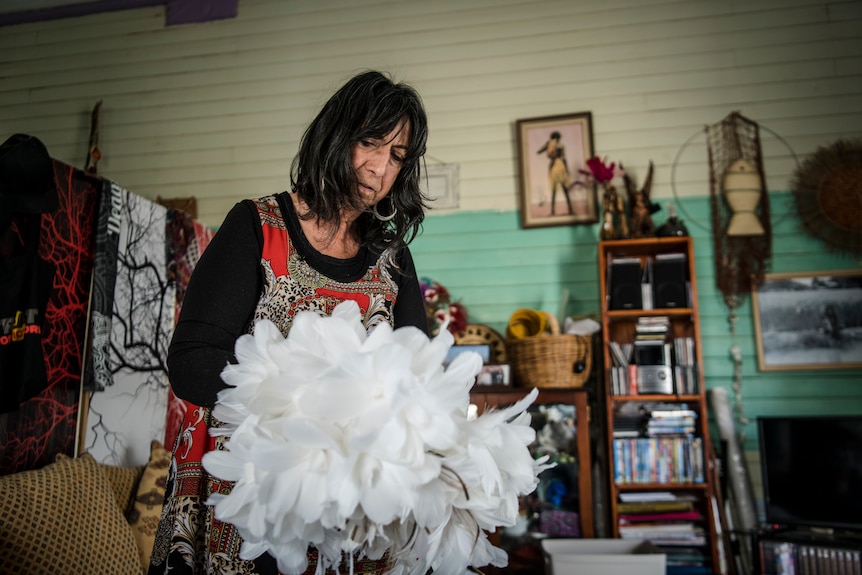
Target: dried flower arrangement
x=441, y=310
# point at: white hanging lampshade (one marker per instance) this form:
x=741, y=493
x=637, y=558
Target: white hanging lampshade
x=742, y=190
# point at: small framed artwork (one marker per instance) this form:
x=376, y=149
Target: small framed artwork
x=809, y=320
x=483, y=350
x=440, y=184
x=552, y=151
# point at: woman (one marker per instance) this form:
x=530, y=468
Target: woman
x=558, y=169
x=340, y=233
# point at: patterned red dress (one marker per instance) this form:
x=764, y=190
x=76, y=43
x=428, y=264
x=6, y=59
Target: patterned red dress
x=189, y=538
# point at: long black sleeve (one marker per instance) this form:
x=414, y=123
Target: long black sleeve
x=217, y=307
x=409, y=307
x=223, y=293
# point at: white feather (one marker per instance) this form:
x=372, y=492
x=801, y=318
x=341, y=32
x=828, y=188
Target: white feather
x=359, y=442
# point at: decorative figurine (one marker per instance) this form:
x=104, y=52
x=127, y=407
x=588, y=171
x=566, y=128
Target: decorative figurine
x=641, y=207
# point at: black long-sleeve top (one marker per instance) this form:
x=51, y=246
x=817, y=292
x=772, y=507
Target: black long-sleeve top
x=225, y=286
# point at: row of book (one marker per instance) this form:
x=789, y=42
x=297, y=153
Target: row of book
x=670, y=521
x=666, y=422
x=688, y=561
x=665, y=532
x=685, y=366
x=670, y=363
x=624, y=380
x=658, y=460
x=655, y=420
x=789, y=558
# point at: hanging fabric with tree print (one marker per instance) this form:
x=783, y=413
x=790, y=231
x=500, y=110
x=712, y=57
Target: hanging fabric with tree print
x=25, y=284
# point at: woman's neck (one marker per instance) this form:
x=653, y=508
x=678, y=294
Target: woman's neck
x=342, y=244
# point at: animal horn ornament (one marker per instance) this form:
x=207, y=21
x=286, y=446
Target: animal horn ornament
x=384, y=218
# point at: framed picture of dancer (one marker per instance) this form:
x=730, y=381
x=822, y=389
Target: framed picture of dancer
x=810, y=320
x=552, y=152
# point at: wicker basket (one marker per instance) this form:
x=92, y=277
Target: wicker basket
x=550, y=360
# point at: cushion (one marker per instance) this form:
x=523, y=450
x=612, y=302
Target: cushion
x=63, y=518
x=147, y=507
x=124, y=483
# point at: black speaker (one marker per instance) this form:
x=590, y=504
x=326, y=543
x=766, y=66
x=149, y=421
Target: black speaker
x=670, y=288
x=624, y=284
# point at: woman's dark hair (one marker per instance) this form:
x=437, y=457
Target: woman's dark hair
x=370, y=105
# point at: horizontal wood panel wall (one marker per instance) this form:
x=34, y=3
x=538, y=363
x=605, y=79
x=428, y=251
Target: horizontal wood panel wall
x=216, y=110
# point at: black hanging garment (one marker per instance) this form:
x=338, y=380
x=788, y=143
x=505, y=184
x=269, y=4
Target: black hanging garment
x=27, y=190
x=25, y=284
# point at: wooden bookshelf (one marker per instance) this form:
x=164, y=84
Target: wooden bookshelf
x=651, y=461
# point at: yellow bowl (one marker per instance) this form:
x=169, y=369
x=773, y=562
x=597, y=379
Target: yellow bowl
x=526, y=323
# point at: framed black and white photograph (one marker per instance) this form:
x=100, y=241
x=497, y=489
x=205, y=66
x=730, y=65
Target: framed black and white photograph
x=809, y=320
x=552, y=152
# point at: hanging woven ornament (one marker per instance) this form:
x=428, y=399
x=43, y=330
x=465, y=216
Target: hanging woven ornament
x=827, y=189
x=741, y=230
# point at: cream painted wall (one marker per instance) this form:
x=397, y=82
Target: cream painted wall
x=215, y=110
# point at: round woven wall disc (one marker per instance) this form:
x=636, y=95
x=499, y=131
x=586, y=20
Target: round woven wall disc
x=827, y=190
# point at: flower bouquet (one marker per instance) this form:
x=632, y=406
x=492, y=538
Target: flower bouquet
x=614, y=219
x=440, y=310
x=359, y=444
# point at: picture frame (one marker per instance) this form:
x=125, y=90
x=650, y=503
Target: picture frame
x=440, y=184
x=552, y=152
x=483, y=350
x=808, y=320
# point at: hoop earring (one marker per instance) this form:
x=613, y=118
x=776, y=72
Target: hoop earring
x=384, y=218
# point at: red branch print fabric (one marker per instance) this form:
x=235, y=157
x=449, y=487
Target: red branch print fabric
x=46, y=425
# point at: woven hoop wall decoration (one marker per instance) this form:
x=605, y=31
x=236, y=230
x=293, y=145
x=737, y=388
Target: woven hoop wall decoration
x=827, y=189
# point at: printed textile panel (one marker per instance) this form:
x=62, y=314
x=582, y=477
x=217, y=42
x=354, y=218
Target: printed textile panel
x=131, y=411
x=46, y=425
x=187, y=240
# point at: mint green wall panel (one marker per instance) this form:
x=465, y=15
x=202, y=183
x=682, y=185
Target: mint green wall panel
x=493, y=266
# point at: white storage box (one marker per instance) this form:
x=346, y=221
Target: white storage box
x=603, y=557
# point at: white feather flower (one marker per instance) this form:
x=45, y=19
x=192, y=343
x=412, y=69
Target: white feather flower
x=359, y=442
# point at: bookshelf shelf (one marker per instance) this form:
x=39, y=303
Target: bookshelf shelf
x=661, y=486
x=628, y=315
x=656, y=412
x=645, y=398
x=525, y=556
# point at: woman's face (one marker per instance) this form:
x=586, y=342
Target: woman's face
x=377, y=162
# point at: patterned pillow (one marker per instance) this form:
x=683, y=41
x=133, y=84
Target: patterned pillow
x=147, y=508
x=64, y=518
x=124, y=483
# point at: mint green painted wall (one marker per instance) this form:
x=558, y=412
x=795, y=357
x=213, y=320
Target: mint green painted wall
x=494, y=267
